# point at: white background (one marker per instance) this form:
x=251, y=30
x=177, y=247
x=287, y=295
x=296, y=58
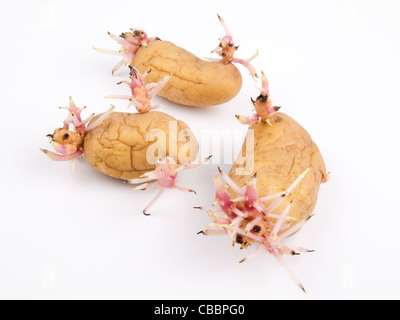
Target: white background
x=333, y=66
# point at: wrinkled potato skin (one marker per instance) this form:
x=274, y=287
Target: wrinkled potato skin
x=194, y=82
x=282, y=152
x=118, y=146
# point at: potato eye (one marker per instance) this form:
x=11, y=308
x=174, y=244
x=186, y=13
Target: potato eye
x=239, y=239
x=257, y=229
x=65, y=136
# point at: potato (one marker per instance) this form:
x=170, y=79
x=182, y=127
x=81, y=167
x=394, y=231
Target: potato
x=281, y=153
x=118, y=146
x=193, y=82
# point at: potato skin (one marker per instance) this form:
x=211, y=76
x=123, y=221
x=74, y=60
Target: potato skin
x=282, y=152
x=194, y=82
x=118, y=146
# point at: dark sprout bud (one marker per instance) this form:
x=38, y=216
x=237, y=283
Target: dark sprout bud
x=239, y=239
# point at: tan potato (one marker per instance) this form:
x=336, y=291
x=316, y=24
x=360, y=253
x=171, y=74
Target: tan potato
x=193, y=82
x=282, y=153
x=118, y=146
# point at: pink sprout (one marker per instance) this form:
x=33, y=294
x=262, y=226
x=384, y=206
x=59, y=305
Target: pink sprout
x=69, y=143
x=226, y=49
x=130, y=43
x=164, y=176
x=263, y=109
x=141, y=93
x=247, y=220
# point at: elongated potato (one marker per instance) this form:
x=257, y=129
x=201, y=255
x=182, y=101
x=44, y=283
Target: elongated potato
x=281, y=153
x=193, y=82
x=118, y=146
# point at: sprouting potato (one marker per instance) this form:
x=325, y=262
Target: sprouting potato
x=272, y=188
x=194, y=82
x=270, y=192
x=282, y=152
x=125, y=145
x=118, y=146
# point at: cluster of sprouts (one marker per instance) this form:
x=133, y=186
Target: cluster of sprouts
x=67, y=142
x=164, y=176
x=130, y=43
x=141, y=93
x=226, y=49
x=247, y=220
x=263, y=108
